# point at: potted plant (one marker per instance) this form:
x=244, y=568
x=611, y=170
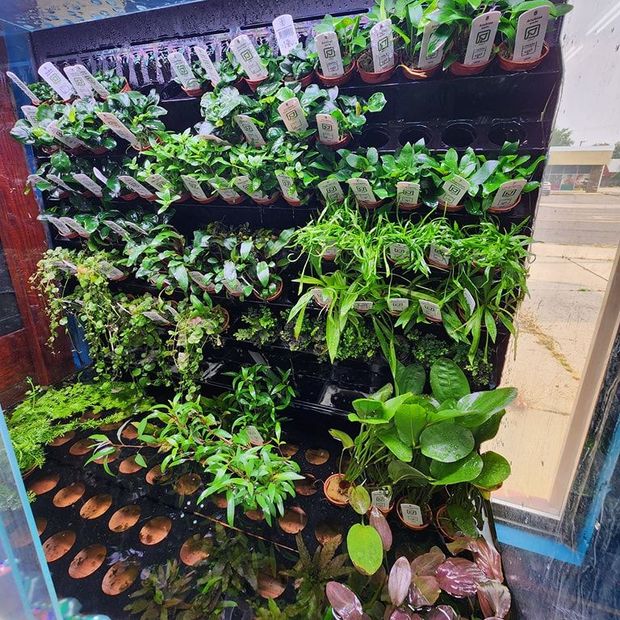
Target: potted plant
x=139, y=113
x=512, y=10
x=455, y=18
x=298, y=65
x=112, y=82
x=44, y=93
x=271, y=63
x=292, y=169
x=366, y=61
x=352, y=42
x=35, y=133
x=268, y=285
x=254, y=170
x=369, y=168
x=412, y=19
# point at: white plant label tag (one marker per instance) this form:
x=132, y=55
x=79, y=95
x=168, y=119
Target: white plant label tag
x=250, y=130
x=157, y=318
x=30, y=113
x=109, y=119
x=331, y=190
x=33, y=179
x=243, y=183
x=63, y=229
x=205, y=133
x=183, y=71
x=95, y=84
x=136, y=228
x=119, y=230
x=508, y=194
x=320, y=297
x=411, y=514
x=286, y=35
x=382, y=45
x=85, y=181
x=76, y=226
x=157, y=181
x=381, y=499
x=99, y=175
x=248, y=57
x=363, y=306
x=428, y=61
x=330, y=56
x=207, y=65
x=439, y=256
x=56, y=80
x=481, y=38
x=287, y=186
x=58, y=181
x=469, y=298
x=328, y=129
x=110, y=271
x=431, y=310
x=453, y=191
x=398, y=251
x=81, y=86
x=531, y=32
x=70, y=141
x=362, y=190
x=407, y=193
x=256, y=439
x=193, y=187
x=23, y=87
x=228, y=194
x=397, y=304
x=293, y=115
x=136, y=186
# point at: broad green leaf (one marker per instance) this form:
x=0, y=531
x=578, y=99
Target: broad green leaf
x=368, y=411
x=448, y=380
x=487, y=430
x=463, y=470
x=409, y=421
x=342, y=437
x=495, y=470
x=365, y=548
x=393, y=443
x=410, y=378
x=359, y=499
x=399, y=471
x=446, y=442
x=483, y=405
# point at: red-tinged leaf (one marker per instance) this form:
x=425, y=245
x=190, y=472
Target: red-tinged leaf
x=344, y=602
x=494, y=599
x=425, y=590
x=427, y=563
x=459, y=577
x=399, y=581
x=399, y=614
x=486, y=556
x=443, y=612
x=379, y=522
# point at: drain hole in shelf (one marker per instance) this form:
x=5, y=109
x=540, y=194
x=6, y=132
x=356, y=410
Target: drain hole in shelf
x=374, y=137
x=458, y=135
x=506, y=132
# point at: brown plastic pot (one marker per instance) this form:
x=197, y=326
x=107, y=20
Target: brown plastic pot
x=370, y=205
x=460, y=70
x=500, y=210
x=451, y=208
x=193, y=92
x=407, y=206
x=267, y=201
x=182, y=198
x=305, y=81
x=416, y=528
x=373, y=77
x=208, y=200
x=335, y=489
x=272, y=297
x=102, y=150
x=420, y=74
x=339, y=80
x=50, y=150
x=337, y=145
x=506, y=64
x=444, y=524
x=294, y=202
x=254, y=84
x=130, y=196
x=236, y=201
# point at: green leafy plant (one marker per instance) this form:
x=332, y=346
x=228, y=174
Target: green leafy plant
x=79, y=120
x=352, y=39
x=299, y=62
x=219, y=109
x=35, y=133
x=261, y=326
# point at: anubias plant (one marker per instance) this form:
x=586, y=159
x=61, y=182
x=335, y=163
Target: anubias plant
x=300, y=62
x=219, y=109
x=34, y=133
x=351, y=38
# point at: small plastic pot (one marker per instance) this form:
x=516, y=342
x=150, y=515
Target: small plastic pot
x=420, y=74
x=444, y=524
x=338, y=145
x=305, y=81
x=272, y=297
x=506, y=64
x=267, y=201
x=501, y=210
x=254, y=84
x=294, y=202
x=460, y=70
x=182, y=198
x=374, y=77
x=102, y=150
x=450, y=208
x=208, y=200
x=427, y=512
x=130, y=196
x=339, y=80
x=50, y=150
x=335, y=489
x=236, y=201
x=407, y=206
x=330, y=254
x=370, y=205
x=193, y=92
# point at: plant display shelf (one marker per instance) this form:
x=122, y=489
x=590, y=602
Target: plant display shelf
x=163, y=499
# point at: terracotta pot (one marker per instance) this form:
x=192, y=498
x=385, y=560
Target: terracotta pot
x=406, y=206
x=459, y=69
x=193, y=92
x=305, y=81
x=450, y=208
x=184, y=197
x=334, y=489
x=126, y=88
x=500, y=210
x=254, y=84
x=330, y=254
x=267, y=201
x=339, y=80
x=237, y=201
x=420, y=74
x=338, y=145
x=372, y=77
x=272, y=297
x=130, y=196
x=209, y=199
x=50, y=150
x=444, y=524
x=294, y=202
x=416, y=528
x=506, y=64
x=435, y=265
x=102, y=150
x=370, y=205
